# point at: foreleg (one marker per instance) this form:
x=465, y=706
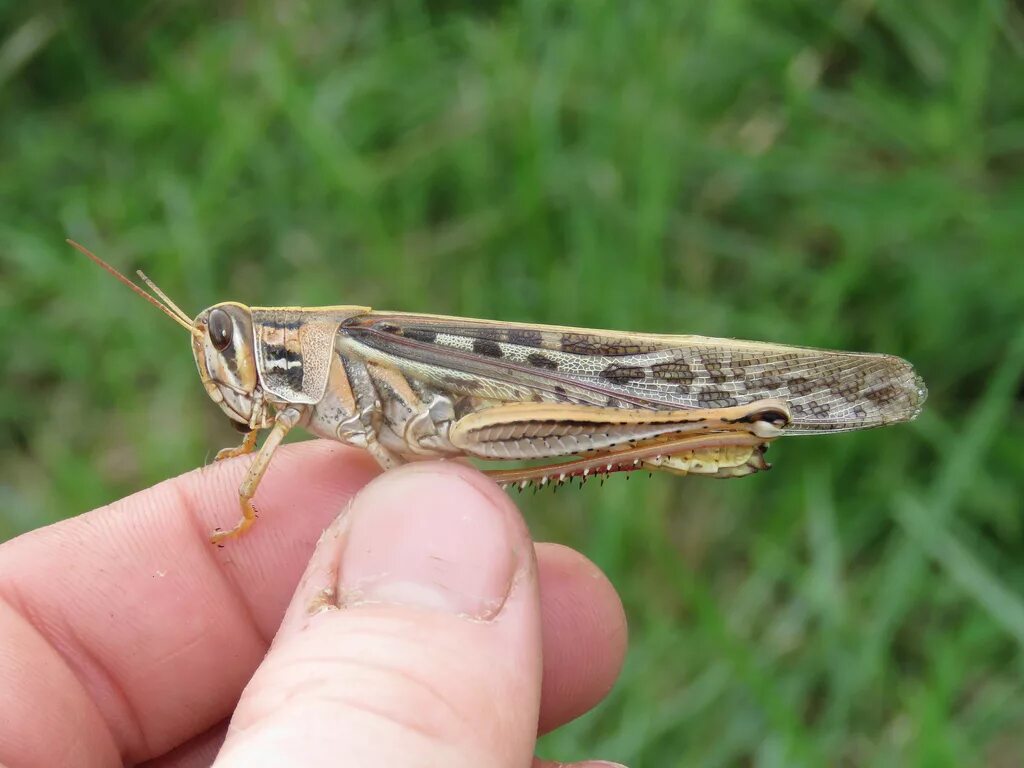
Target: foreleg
x=286, y=419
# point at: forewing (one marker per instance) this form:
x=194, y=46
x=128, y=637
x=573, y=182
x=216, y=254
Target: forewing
x=826, y=391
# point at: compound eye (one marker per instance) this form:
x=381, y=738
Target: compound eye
x=219, y=327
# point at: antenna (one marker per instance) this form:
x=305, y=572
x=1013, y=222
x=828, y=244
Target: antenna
x=170, y=309
x=163, y=296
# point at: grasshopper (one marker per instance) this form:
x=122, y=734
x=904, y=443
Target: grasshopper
x=407, y=387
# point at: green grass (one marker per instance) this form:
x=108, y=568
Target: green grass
x=844, y=175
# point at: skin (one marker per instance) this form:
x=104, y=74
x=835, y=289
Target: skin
x=425, y=627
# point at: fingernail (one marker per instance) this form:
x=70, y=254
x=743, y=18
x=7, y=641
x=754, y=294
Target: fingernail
x=428, y=538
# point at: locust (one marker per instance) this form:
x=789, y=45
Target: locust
x=565, y=403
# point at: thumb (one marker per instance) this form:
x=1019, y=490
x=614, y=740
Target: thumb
x=413, y=639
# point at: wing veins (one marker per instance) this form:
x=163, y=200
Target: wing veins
x=493, y=369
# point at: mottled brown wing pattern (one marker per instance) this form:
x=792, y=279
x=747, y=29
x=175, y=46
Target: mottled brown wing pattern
x=826, y=391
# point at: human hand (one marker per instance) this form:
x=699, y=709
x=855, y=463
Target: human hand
x=414, y=638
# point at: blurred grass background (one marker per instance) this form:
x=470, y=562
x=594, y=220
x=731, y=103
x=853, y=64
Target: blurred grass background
x=842, y=174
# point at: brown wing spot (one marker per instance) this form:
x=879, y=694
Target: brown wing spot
x=525, y=337
x=882, y=394
x=561, y=395
x=859, y=412
x=493, y=334
x=772, y=383
x=848, y=389
x=715, y=373
x=716, y=398
x=592, y=344
x=537, y=360
x=421, y=334
x=741, y=360
x=800, y=385
x=721, y=367
x=678, y=373
x=818, y=409
x=581, y=344
x=623, y=374
x=486, y=347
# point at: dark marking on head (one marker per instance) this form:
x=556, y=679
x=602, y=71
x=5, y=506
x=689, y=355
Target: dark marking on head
x=232, y=361
x=486, y=347
x=623, y=374
x=537, y=360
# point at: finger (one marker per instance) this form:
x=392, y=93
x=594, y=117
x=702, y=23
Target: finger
x=198, y=752
x=113, y=602
x=585, y=634
x=134, y=633
x=414, y=637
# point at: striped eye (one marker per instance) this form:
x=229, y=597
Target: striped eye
x=219, y=328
